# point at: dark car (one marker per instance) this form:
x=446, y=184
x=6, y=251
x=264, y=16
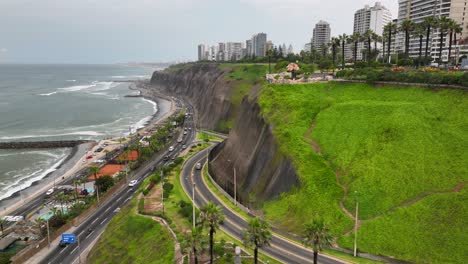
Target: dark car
x=62, y=243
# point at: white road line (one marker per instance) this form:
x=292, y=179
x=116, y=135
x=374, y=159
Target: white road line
x=129, y=190
x=103, y=221
x=71, y=253
x=89, y=234
x=119, y=198
x=128, y=199
x=107, y=209
x=61, y=251
x=93, y=221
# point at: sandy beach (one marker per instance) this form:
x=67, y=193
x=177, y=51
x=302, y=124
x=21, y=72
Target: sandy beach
x=76, y=160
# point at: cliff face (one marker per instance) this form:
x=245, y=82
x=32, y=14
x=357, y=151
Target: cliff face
x=262, y=171
x=203, y=86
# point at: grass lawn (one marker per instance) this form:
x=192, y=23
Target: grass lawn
x=394, y=146
x=131, y=238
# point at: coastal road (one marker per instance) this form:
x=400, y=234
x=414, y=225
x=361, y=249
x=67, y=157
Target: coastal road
x=98, y=221
x=280, y=248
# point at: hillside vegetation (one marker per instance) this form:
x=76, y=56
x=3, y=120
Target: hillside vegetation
x=401, y=152
x=132, y=238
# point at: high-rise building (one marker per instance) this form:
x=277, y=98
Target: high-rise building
x=234, y=51
x=201, y=52
x=374, y=18
x=308, y=47
x=221, y=55
x=418, y=10
x=258, y=44
x=249, y=48
x=321, y=35
x=269, y=46
x=290, y=49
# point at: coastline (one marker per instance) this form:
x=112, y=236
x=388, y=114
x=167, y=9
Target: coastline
x=71, y=164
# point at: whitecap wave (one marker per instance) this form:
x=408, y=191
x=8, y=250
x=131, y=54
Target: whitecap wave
x=26, y=181
x=78, y=133
x=155, y=105
x=48, y=94
x=71, y=80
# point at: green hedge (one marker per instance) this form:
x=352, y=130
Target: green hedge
x=372, y=75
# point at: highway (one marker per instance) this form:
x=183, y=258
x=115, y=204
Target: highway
x=280, y=248
x=98, y=221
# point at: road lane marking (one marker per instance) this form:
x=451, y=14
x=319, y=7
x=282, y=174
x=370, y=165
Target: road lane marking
x=107, y=209
x=71, y=253
x=119, y=198
x=93, y=221
x=61, y=251
x=103, y=221
x=128, y=199
x=89, y=234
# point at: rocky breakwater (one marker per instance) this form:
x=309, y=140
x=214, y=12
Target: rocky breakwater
x=42, y=144
x=262, y=170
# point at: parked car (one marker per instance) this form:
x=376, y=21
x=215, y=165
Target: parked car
x=171, y=148
x=184, y=146
x=198, y=166
x=62, y=243
x=132, y=183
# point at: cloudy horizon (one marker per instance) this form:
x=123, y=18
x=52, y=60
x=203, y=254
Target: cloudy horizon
x=113, y=31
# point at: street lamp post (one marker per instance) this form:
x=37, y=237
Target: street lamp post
x=48, y=233
x=356, y=223
x=162, y=191
x=235, y=187
x=193, y=205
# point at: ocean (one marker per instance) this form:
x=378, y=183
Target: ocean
x=57, y=102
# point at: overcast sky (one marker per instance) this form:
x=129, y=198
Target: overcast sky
x=110, y=31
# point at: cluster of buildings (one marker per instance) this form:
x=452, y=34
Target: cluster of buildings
x=375, y=18
x=257, y=46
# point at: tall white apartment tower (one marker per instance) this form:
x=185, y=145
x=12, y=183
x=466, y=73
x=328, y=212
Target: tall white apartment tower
x=418, y=10
x=321, y=35
x=374, y=18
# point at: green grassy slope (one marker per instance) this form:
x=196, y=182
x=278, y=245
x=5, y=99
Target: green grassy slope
x=394, y=146
x=130, y=238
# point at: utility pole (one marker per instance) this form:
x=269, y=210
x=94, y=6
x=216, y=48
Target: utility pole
x=235, y=187
x=97, y=192
x=356, y=223
x=162, y=187
x=193, y=205
x=48, y=233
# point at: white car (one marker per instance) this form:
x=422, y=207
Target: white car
x=198, y=166
x=185, y=132
x=171, y=148
x=132, y=183
x=50, y=191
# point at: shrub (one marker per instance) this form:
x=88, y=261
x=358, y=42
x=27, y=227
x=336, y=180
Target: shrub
x=463, y=80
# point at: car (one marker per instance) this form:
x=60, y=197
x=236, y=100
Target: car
x=198, y=166
x=132, y=183
x=166, y=158
x=184, y=146
x=185, y=128
x=185, y=132
x=171, y=148
x=62, y=243
x=50, y=191
x=189, y=128
x=117, y=210
x=179, y=140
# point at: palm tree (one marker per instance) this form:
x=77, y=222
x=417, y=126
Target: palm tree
x=454, y=28
x=75, y=183
x=257, y=234
x=407, y=26
x=334, y=43
x=391, y=29
x=419, y=31
x=194, y=243
x=355, y=38
x=343, y=39
x=429, y=22
x=368, y=37
x=211, y=216
x=94, y=170
x=317, y=235
x=443, y=24
x=2, y=222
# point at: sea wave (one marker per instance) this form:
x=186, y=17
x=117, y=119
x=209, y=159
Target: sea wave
x=27, y=180
x=78, y=133
x=48, y=94
x=93, y=87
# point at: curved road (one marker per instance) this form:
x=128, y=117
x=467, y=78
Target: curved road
x=280, y=248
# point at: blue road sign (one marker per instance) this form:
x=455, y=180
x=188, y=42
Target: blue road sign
x=68, y=238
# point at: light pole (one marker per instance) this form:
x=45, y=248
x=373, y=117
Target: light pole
x=162, y=191
x=48, y=233
x=356, y=223
x=235, y=183
x=193, y=205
